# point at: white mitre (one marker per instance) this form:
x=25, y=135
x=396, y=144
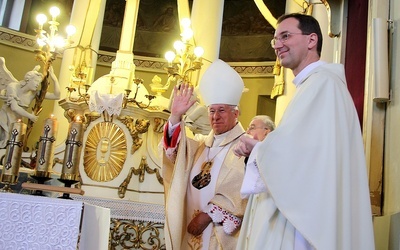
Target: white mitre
x=221, y=84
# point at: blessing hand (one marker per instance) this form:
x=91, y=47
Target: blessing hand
x=181, y=102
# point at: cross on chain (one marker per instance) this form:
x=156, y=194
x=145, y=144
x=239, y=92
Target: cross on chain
x=44, y=139
x=11, y=143
x=71, y=143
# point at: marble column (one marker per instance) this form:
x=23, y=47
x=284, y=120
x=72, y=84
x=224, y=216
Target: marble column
x=87, y=17
x=283, y=100
x=207, y=27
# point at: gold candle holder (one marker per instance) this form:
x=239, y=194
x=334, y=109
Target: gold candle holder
x=45, y=155
x=70, y=169
x=12, y=159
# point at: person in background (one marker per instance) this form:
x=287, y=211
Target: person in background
x=260, y=126
x=202, y=178
x=311, y=176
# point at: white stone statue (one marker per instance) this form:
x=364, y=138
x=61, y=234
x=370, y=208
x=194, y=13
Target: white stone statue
x=18, y=95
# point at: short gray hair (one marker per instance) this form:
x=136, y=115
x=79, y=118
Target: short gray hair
x=266, y=120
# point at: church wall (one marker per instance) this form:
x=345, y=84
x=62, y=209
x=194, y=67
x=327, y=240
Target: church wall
x=392, y=135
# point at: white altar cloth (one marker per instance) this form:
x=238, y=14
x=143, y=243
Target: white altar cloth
x=35, y=222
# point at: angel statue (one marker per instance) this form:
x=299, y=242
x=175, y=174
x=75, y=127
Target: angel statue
x=18, y=95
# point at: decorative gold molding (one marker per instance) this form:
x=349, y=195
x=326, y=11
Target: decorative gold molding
x=131, y=234
x=334, y=11
x=143, y=168
x=159, y=125
x=140, y=126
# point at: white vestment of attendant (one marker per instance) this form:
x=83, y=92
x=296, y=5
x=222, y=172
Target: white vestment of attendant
x=314, y=171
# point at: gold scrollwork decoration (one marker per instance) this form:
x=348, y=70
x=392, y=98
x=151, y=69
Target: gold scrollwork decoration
x=86, y=117
x=143, y=168
x=130, y=234
x=105, y=152
x=140, y=126
x=159, y=125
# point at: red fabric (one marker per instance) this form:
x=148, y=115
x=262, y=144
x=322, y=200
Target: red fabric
x=171, y=142
x=356, y=46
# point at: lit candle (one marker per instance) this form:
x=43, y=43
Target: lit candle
x=12, y=158
x=45, y=153
x=70, y=170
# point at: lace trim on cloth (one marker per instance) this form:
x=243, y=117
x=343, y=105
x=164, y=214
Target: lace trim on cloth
x=229, y=221
x=100, y=102
x=34, y=222
x=127, y=210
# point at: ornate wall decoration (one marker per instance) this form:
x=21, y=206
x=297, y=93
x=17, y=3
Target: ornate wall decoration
x=105, y=152
x=140, y=126
x=159, y=125
x=140, y=171
x=131, y=234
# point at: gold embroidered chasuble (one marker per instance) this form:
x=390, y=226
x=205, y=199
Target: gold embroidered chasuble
x=227, y=192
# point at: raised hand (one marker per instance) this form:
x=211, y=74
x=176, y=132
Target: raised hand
x=182, y=101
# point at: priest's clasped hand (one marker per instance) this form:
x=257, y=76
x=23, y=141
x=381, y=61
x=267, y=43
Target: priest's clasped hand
x=245, y=145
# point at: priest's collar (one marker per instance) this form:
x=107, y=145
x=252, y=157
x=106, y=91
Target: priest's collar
x=300, y=77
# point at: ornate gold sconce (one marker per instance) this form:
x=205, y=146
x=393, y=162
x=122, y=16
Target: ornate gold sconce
x=186, y=58
x=143, y=168
x=138, y=82
x=81, y=74
x=140, y=126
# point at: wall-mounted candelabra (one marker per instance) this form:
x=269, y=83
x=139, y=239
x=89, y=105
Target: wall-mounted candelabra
x=186, y=58
x=81, y=76
x=138, y=82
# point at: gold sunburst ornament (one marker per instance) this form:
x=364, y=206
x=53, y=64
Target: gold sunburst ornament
x=105, y=152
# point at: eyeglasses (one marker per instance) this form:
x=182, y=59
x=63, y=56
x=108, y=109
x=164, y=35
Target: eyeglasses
x=254, y=127
x=284, y=37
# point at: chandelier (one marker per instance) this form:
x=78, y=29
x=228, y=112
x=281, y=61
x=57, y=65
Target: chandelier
x=186, y=58
x=50, y=43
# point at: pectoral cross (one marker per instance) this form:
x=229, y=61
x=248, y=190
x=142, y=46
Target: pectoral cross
x=71, y=143
x=44, y=139
x=11, y=143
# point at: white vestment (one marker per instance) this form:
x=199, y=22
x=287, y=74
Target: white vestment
x=314, y=170
x=224, y=190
